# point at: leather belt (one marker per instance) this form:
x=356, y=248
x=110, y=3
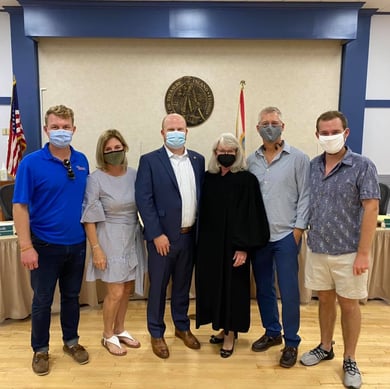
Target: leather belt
x=185, y=230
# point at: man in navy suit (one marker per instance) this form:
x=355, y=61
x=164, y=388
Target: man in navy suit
x=167, y=191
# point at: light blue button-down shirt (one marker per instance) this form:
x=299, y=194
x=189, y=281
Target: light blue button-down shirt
x=284, y=185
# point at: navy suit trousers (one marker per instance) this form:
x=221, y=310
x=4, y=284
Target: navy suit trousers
x=178, y=265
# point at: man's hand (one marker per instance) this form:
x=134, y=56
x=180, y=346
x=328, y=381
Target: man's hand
x=297, y=232
x=361, y=264
x=162, y=244
x=29, y=258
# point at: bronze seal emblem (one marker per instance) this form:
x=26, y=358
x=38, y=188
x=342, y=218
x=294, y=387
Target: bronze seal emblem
x=191, y=97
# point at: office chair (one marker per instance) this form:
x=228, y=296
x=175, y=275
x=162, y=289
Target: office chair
x=385, y=197
x=6, y=194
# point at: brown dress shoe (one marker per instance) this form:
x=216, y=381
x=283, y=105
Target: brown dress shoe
x=159, y=347
x=188, y=338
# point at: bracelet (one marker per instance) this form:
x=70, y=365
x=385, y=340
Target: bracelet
x=95, y=246
x=26, y=248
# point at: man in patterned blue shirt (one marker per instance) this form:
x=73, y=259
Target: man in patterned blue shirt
x=343, y=214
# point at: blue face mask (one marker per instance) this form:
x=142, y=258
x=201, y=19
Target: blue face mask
x=60, y=138
x=175, y=139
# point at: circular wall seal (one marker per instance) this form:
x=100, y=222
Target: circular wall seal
x=191, y=97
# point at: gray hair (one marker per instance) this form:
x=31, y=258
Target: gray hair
x=228, y=140
x=270, y=110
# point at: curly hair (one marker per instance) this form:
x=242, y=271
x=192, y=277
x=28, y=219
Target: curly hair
x=61, y=111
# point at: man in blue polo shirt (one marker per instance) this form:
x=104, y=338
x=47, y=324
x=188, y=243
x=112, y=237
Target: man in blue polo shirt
x=344, y=193
x=49, y=192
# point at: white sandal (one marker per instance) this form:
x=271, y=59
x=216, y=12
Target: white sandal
x=115, y=341
x=125, y=338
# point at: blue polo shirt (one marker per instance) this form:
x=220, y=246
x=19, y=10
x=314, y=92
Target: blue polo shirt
x=54, y=200
x=336, y=202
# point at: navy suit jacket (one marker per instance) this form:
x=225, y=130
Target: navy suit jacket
x=157, y=193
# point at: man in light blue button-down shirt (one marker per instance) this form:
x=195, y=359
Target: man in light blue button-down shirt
x=283, y=174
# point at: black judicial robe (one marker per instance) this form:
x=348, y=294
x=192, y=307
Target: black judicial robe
x=231, y=217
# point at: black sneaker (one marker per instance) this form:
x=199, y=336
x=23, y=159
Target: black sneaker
x=289, y=356
x=40, y=363
x=265, y=342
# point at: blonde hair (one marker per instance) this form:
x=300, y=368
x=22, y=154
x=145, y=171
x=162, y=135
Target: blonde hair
x=61, y=111
x=228, y=140
x=101, y=144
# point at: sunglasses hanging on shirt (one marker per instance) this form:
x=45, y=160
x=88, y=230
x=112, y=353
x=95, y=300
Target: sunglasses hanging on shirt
x=68, y=168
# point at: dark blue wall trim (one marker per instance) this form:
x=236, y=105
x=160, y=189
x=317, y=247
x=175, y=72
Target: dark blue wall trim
x=214, y=20
x=233, y=20
x=377, y=103
x=5, y=100
x=25, y=70
x=353, y=80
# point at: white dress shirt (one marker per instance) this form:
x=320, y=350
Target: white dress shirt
x=185, y=178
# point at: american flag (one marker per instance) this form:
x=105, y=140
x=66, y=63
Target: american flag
x=16, y=140
x=240, y=119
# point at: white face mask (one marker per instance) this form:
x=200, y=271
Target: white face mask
x=332, y=144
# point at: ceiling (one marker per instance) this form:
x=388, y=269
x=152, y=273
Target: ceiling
x=381, y=5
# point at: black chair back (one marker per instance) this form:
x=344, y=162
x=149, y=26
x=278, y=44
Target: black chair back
x=6, y=195
x=384, y=201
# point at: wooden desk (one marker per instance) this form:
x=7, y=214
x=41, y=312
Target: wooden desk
x=2, y=183
x=16, y=293
x=15, y=290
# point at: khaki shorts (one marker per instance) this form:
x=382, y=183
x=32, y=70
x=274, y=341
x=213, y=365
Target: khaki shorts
x=335, y=272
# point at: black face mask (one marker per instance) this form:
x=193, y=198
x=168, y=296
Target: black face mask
x=226, y=160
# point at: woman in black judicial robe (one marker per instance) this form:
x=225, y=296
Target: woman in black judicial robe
x=232, y=222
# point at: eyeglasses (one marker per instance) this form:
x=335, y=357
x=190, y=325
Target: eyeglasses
x=266, y=124
x=69, y=169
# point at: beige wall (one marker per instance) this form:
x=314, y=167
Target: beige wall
x=122, y=84
x=376, y=135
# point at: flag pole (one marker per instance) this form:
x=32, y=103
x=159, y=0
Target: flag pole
x=240, y=118
x=16, y=140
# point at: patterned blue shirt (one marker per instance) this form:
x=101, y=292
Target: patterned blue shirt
x=336, y=202
x=284, y=184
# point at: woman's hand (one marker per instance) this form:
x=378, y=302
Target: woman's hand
x=239, y=258
x=99, y=258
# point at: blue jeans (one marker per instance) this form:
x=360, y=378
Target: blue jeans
x=281, y=256
x=65, y=264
